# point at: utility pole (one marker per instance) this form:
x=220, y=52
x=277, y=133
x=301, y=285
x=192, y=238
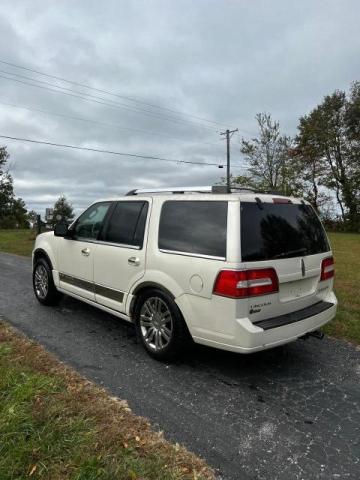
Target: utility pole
x=229, y=134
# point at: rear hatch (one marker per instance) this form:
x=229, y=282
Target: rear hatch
x=285, y=235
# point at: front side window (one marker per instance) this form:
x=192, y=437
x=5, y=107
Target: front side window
x=90, y=222
x=127, y=224
x=196, y=227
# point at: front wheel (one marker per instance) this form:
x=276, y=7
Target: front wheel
x=160, y=325
x=43, y=283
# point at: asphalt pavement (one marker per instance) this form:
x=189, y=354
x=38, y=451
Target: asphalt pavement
x=288, y=413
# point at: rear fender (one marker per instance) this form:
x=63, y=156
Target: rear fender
x=153, y=279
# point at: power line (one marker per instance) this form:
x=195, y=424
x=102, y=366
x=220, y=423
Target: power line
x=112, y=104
x=100, y=100
x=110, y=93
x=104, y=101
x=108, y=124
x=110, y=152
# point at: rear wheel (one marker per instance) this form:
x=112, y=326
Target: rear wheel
x=160, y=325
x=43, y=283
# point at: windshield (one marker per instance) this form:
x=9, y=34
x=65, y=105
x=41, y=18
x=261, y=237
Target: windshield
x=283, y=230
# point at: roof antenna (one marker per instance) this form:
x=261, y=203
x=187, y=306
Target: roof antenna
x=259, y=203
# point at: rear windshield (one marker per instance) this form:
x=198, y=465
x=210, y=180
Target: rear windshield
x=270, y=231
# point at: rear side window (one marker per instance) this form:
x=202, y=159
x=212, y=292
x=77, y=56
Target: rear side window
x=275, y=231
x=127, y=224
x=196, y=227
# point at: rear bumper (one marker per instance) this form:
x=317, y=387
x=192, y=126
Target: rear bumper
x=294, y=317
x=250, y=337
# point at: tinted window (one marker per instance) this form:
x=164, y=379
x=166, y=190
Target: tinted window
x=194, y=227
x=90, y=222
x=127, y=224
x=270, y=231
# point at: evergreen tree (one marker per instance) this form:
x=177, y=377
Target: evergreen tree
x=63, y=211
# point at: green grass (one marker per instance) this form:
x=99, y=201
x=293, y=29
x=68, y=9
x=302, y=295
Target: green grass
x=56, y=425
x=346, y=248
x=19, y=242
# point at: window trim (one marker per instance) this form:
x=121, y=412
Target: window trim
x=120, y=245
x=190, y=254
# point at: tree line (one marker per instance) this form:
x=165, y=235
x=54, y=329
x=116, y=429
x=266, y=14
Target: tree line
x=321, y=163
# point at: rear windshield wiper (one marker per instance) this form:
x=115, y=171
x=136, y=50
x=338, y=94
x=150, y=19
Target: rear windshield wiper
x=300, y=251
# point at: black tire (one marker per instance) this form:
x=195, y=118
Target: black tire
x=180, y=337
x=43, y=283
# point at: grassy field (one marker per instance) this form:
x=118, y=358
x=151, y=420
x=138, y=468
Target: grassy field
x=346, y=247
x=19, y=242
x=56, y=425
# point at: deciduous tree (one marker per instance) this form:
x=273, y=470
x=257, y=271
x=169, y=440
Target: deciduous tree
x=329, y=142
x=271, y=167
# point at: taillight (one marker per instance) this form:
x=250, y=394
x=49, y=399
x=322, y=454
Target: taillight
x=246, y=283
x=327, y=269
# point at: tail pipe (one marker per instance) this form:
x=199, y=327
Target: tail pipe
x=316, y=334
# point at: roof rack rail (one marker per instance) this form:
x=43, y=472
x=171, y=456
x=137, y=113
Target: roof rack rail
x=241, y=188
x=274, y=192
x=141, y=191
x=206, y=189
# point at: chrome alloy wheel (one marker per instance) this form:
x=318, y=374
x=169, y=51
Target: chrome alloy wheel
x=156, y=323
x=41, y=281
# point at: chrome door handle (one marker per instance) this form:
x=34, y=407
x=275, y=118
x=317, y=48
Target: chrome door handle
x=134, y=261
x=85, y=251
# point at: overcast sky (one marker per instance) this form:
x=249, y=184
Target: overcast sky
x=222, y=61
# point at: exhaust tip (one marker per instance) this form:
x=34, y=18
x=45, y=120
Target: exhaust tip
x=317, y=334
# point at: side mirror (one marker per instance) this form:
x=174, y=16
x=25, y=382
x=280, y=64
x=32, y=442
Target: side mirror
x=61, y=230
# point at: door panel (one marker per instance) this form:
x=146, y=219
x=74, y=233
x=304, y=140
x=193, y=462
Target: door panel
x=75, y=260
x=76, y=254
x=114, y=274
x=120, y=256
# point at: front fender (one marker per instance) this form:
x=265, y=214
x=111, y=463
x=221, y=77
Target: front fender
x=46, y=244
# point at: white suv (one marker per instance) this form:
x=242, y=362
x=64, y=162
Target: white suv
x=239, y=271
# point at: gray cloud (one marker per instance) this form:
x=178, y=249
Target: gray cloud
x=221, y=60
